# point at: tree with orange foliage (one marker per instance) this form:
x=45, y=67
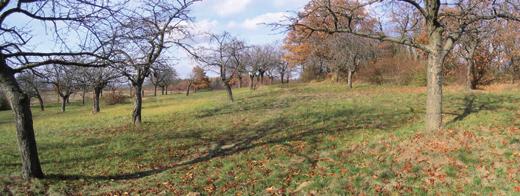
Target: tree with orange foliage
x=509, y=37
x=477, y=49
x=200, y=79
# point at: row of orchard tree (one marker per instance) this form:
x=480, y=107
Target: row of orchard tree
x=91, y=44
x=68, y=80
x=439, y=31
x=95, y=44
x=233, y=60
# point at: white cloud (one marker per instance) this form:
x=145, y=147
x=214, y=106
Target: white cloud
x=232, y=24
x=230, y=7
x=204, y=26
x=258, y=21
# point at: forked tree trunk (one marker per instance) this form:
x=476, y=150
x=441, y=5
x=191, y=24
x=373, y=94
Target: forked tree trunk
x=21, y=108
x=138, y=103
x=434, y=92
x=97, y=95
x=229, y=91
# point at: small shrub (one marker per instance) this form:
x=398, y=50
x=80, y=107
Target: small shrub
x=115, y=98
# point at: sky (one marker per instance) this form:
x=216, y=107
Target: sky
x=244, y=19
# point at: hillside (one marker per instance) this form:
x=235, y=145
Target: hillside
x=303, y=138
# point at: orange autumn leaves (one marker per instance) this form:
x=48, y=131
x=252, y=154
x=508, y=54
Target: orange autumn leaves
x=301, y=43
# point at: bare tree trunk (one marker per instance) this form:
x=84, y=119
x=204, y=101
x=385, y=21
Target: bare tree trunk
x=154, y=90
x=97, y=94
x=188, y=90
x=83, y=95
x=40, y=100
x=64, y=100
x=349, y=78
x=21, y=107
x=229, y=91
x=239, y=81
x=434, y=92
x=138, y=103
x=471, y=83
x=281, y=77
x=166, y=89
x=252, y=82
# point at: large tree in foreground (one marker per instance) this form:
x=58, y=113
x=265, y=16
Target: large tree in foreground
x=440, y=24
x=21, y=49
x=143, y=36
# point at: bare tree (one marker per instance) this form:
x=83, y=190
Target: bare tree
x=32, y=85
x=473, y=48
x=143, y=36
x=162, y=76
x=283, y=69
x=64, y=81
x=98, y=79
x=441, y=24
x=225, y=55
x=86, y=18
x=349, y=53
x=169, y=78
x=253, y=61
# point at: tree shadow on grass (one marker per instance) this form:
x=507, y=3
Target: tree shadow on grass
x=473, y=104
x=275, y=131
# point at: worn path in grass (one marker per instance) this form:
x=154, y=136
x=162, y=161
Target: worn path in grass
x=305, y=138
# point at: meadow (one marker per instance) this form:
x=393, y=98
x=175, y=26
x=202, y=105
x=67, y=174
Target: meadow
x=317, y=138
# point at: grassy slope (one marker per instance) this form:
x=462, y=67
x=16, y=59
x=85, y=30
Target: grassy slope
x=319, y=138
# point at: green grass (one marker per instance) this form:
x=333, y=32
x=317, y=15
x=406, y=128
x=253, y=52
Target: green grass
x=307, y=138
